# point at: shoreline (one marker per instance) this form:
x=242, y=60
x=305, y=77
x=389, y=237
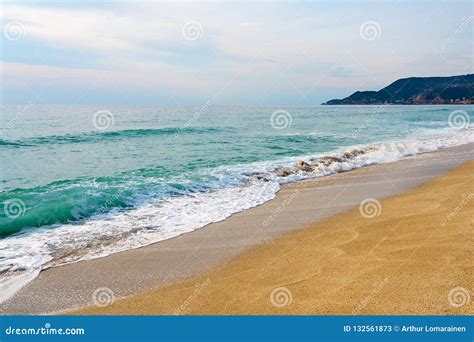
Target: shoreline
x=166, y=262
x=408, y=254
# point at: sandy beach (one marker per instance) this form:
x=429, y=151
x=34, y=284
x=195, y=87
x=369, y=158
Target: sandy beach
x=403, y=256
x=237, y=171
x=400, y=261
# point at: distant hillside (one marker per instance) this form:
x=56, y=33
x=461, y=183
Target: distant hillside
x=417, y=90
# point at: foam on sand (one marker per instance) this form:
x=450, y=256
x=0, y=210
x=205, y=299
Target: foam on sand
x=25, y=254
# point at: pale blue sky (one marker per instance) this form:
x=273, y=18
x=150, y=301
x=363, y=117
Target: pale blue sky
x=243, y=52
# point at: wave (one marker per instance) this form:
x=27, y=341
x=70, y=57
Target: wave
x=347, y=159
x=108, y=135
x=75, y=200
x=25, y=254
x=144, y=219
x=10, y=143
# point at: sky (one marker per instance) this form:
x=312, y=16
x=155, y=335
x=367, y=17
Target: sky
x=262, y=53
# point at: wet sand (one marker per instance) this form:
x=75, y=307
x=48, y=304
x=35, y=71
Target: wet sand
x=200, y=253
x=408, y=254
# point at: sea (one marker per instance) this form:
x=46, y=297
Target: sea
x=82, y=182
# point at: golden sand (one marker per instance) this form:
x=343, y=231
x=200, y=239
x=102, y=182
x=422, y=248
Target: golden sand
x=415, y=256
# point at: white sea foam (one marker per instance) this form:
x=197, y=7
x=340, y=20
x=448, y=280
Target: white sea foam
x=384, y=152
x=24, y=255
x=115, y=232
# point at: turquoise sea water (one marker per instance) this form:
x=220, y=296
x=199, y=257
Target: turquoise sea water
x=80, y=182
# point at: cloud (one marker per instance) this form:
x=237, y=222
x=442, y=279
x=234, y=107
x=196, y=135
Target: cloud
x=257, y=47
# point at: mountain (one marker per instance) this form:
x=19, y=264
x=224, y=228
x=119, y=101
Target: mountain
x=417, y=90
